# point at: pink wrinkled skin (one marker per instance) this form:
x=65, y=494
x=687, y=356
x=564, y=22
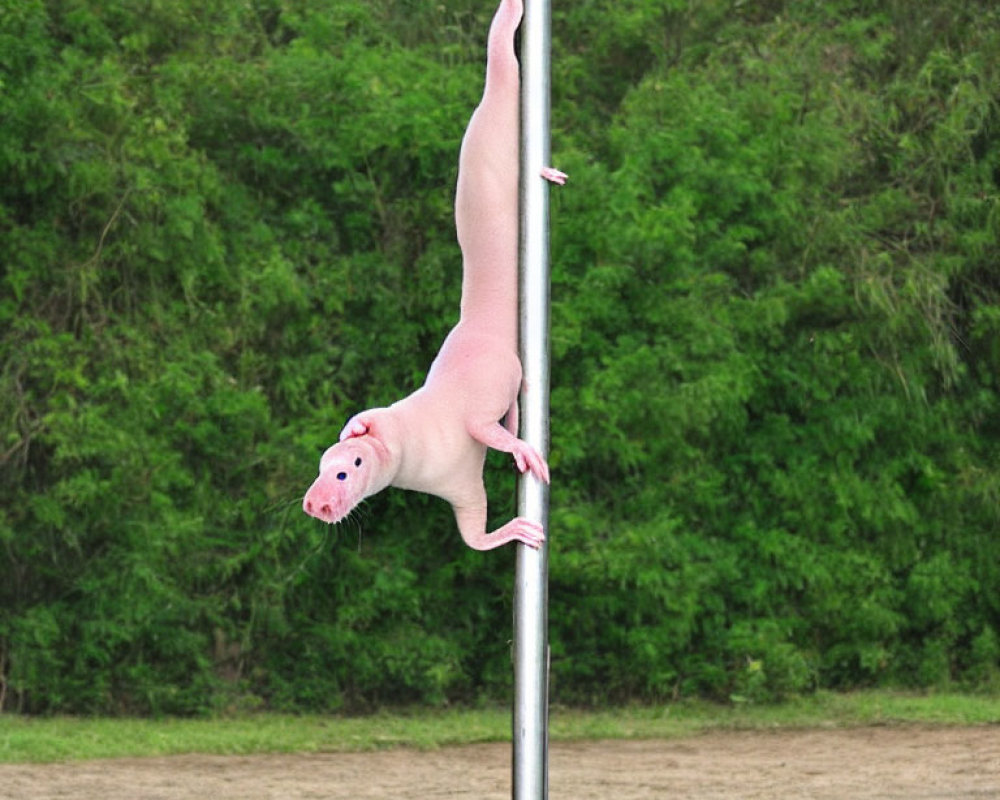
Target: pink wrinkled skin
x=435, y=439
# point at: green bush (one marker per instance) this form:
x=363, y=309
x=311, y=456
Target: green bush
x=776, y=342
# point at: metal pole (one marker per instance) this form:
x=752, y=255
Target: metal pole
x=531, y=658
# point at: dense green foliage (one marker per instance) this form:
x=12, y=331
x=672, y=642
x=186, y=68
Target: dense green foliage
x=776, y=342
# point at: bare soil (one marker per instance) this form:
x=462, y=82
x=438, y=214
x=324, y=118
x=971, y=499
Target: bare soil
x=911, y=763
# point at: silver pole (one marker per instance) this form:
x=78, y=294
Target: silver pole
x=531, y=702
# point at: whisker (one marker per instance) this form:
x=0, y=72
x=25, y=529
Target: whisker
x=353, y=519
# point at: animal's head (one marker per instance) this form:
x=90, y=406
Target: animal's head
x=348, y=472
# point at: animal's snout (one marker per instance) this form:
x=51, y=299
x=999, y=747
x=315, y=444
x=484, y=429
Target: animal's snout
x=323, y=512
x=319, y=507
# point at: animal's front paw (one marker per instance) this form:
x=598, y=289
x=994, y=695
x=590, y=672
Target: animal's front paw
x=524, y=531
x=528, y=459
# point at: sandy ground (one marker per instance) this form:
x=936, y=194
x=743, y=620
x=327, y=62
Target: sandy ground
x=908, y=762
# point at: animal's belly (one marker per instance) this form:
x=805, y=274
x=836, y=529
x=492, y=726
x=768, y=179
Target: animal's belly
x=440, y=458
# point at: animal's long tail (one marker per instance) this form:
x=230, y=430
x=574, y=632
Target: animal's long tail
x=486, y=201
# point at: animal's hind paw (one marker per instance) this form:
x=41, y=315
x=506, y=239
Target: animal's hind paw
x=553, y=175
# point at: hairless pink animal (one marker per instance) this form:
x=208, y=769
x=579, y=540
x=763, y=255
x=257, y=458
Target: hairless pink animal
x=435, y=439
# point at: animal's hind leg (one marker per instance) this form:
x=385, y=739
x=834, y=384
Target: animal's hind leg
x=493, y=130
x=486, y=200
x=502, y=72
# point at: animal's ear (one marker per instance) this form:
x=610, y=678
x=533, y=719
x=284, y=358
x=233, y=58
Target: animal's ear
x=358, y=425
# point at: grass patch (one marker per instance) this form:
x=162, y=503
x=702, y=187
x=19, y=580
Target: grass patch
x=26, y=739
x=821, y=710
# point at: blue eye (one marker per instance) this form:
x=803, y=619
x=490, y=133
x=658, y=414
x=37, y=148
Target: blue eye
x=341, y=476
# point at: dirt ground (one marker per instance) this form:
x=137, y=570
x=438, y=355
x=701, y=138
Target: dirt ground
x=914, y=763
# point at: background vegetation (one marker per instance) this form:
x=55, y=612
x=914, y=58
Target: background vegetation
x=60, y=738
x=776, y=342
